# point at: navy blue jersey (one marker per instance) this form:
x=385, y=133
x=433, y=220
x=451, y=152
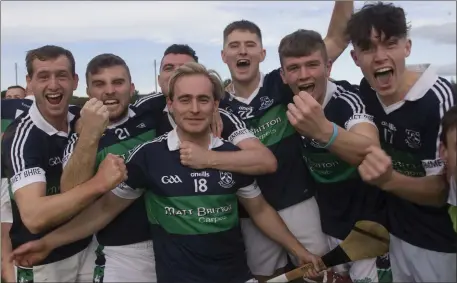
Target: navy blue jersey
x=409, y=132
x=12, y=108
x=32, y=152
x=198, y=238
x=138, y=127
x=265, y=115
x=342, y=196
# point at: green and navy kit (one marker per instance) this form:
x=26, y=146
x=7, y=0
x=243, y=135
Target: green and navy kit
x=342, y=196
x=139, y=126
x=409, y=132
x=32, y=153
x=198, y=237
x=265, y=116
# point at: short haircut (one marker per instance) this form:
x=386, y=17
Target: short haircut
x=103, y=61
x=192, y=68
x=448, y=123
x=385, y=18
x=48, y=52
x=301, y=43
x=242, y=25
x=16, y=86
x=183, y=49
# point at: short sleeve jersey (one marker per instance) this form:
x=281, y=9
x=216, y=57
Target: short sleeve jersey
x=119, y=139
x=342, y=196
x=265, y=115
x=198, y=238
x=32, y=153
x=409, y=132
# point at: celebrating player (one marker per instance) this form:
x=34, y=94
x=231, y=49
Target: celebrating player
x=261, y=101
x=33, y=146
x=336, y=133
x=407, y=106
x=197, y=237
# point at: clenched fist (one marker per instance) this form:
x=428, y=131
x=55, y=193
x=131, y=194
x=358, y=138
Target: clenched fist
x=376, y=168
x=94, y=118
x=193, y=156
x=111, y=172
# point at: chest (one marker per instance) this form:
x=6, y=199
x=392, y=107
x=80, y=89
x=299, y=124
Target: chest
x=52, y=154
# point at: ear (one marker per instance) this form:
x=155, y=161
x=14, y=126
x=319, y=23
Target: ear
x=355, y=58
x=224, y=58
x=283, y=76
x=263, y=54
x=216, y=105
x=443, y=151
x=329, y=68
x=87, y=91
x=76, y=81
x=132, y=89
x=169, y=105
x=408, y=46
x=28, y=80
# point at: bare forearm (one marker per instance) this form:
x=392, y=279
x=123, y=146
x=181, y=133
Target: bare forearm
x=429, y=190
x=88, y=222
x=7, y=265
x=249, y=161
x=351, y=147
x=81, y=165
x=51, y=211
x=269, y=222
x=336, y=39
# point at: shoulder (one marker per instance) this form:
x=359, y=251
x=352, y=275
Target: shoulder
x=441, y=92
x=348, y=95
x=11, y=108
x=146, y=148
x=150, y=102
x=22, y=133
x=225, y=145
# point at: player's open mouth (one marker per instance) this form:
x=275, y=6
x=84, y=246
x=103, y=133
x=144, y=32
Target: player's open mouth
x=243, y=64
x=307, y=87
x=54, y=98
x=111, y=102
x=384, y=75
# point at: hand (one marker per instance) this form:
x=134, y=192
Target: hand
x=304, y=257
x=94, y=118
x=111, y=172
x=216, y=124
x=193, y=155
x=307, y=117
x=376, y=168
x=31, y=253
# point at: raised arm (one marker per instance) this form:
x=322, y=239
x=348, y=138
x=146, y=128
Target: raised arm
x=80, y=154
x=336, y=40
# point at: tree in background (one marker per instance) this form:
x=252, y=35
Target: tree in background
x=3, y=93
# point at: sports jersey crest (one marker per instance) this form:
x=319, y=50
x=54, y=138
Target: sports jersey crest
x=226, y=179
x=265, y=102
x=413, y=138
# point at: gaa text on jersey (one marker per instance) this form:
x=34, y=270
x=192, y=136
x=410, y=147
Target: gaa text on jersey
x=172, y=179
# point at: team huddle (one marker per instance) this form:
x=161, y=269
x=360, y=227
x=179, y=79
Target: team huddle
x=206, y=183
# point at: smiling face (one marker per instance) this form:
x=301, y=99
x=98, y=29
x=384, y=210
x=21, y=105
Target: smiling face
x=307, y=73
x=243, y=53
x=383, y=62
x=52, y=82
x=193, y=104
x=112, y=86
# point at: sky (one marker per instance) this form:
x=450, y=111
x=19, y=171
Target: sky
x=140, y=32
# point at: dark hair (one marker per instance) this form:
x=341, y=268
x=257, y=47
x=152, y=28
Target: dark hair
x=242, y=25
x=448, y=123
x=48, y=52
x=385, y=18
x=180, y=49
x=16, y=86
x=103, y=61
x=301, y=43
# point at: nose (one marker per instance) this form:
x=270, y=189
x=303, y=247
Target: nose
x=195, y=107
x=380, y=54
x=53, y=84
x=243, y=50
x=303, y=74
x=109, y=89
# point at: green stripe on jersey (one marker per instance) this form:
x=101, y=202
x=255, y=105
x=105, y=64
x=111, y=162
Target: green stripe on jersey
x=124, y=146
x=326, y=167
x=272, y=127
x=194, y=215
x=405, y=163
x=5, y=124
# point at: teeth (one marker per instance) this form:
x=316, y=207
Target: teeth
x=382, y=70
x=111, y=101
x=53, y=95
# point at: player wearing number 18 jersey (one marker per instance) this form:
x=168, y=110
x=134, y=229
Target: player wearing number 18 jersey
x=407, y=106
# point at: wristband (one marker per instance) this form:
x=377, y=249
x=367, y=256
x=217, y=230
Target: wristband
x=333, y=137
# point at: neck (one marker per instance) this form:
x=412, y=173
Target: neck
x=408, y=80
x=60, y=123
x=245, y=89
x=201, y=139
x=118, y=119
